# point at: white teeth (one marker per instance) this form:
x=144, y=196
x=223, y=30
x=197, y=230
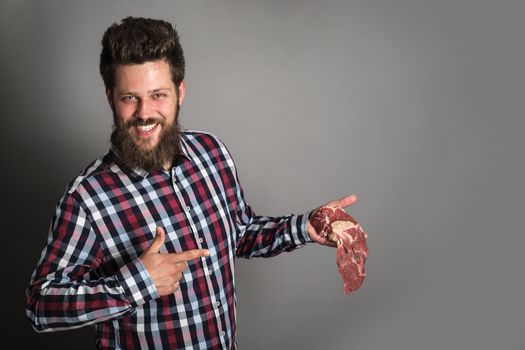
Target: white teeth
x=146, y=128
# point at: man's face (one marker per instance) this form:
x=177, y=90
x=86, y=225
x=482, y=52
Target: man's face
x=145, y=105
x=145, y=96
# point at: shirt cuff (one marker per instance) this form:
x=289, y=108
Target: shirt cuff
x=301, y=229
x=137, y=283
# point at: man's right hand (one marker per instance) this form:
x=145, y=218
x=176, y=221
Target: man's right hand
x=166, y=269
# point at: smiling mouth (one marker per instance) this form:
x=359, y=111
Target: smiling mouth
x=146, y=130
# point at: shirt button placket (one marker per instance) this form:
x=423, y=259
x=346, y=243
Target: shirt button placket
x=208, y=271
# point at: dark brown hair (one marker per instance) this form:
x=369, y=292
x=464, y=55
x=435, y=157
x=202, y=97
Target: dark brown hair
x=139, y=40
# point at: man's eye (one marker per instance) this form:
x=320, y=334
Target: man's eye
x=128, y=98
x=159, y=95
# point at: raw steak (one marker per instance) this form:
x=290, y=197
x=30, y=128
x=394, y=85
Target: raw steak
x=339, y=227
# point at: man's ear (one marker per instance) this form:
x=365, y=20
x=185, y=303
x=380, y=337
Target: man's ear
x=182, y=91
x=109, y=96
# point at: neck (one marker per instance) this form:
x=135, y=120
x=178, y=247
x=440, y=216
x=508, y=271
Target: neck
x=167, y=166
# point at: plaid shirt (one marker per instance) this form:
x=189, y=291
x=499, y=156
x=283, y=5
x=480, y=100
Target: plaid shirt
x=90, y=273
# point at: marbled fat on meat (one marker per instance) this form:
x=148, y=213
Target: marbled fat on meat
x=339, y=227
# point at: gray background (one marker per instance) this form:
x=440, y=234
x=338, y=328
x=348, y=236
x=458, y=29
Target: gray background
x=414, y=105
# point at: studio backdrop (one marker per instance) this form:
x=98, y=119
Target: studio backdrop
x=415, y=106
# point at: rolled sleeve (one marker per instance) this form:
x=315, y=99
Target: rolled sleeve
x=300, y=229
x=137, y=283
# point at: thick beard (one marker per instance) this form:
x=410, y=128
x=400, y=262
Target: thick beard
x=165, y=152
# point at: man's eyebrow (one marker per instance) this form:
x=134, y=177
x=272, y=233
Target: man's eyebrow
x=130, y=92
x=158, y=90
x=126, y=92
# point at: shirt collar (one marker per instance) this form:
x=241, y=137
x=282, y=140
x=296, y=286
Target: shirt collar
x=140, y=173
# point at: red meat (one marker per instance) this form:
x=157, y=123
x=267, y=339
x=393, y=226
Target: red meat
x=339, y=227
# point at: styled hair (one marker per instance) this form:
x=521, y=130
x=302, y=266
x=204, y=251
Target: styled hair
x=138, y=40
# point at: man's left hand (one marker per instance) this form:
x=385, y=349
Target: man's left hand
x=340, y=203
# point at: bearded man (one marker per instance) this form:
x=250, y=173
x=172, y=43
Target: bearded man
x=143, y=242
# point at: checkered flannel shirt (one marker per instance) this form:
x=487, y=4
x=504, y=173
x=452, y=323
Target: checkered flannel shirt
x=90, y=273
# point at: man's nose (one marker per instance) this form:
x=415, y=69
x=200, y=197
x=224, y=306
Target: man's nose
x=143, y=109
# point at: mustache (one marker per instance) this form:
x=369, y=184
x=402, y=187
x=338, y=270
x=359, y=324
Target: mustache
x=141, y=122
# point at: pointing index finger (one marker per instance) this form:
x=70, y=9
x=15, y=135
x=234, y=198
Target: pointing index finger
x=189, y=255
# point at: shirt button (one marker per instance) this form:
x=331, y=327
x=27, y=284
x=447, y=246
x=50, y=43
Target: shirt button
x=188, y=209
x=201, y=240
x=218, y=304
x=223, y=333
